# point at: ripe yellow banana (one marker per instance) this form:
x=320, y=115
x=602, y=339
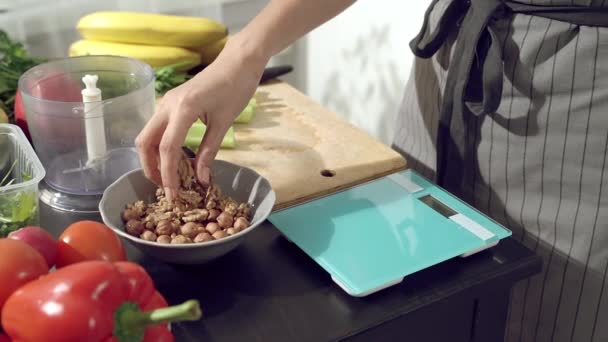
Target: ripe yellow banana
x=210, y=52
x=156, y=56
x=151, y=29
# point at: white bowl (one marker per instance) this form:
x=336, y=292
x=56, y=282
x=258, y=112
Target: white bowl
x=240, y=183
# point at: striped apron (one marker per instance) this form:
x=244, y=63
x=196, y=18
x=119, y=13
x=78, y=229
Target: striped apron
x=507, y=107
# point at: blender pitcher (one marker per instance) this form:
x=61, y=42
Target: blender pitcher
x=84, y=114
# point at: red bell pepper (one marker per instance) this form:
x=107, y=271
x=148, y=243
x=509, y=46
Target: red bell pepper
x=96, y=301
x=4, y=338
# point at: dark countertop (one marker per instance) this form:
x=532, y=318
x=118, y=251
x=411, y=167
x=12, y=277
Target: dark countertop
x=267, y=290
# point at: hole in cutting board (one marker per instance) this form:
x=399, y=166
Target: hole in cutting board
x=328, y=173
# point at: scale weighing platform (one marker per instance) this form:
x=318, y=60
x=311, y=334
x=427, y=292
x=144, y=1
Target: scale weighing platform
x=371, y=236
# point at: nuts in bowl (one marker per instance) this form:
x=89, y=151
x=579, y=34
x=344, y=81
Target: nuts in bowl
x=197, y=214
x=199, y=225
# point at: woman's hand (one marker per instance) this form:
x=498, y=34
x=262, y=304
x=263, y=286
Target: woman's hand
x=216, y=95
x=222, y=90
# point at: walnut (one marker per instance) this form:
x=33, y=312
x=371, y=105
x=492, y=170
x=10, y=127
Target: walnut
x=186, y=173
x=230, y=207
x=160, y=216
x=150, y=225
x=244, y=210
x=139, y=208
x=196, y=215
x=211, y=204
x=190, y=197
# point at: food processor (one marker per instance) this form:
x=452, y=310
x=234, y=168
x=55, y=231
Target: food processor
x=83, y=114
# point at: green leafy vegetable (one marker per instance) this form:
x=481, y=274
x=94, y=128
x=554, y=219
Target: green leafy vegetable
x=167, y=78
x=17, y=208
x=15, y=61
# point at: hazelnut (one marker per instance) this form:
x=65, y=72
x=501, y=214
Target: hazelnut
x=225, y=220
x=213, y=214
x=212, y=227
x=203, y=237
x=163, y=239
x=200, y=228
x=189, y=229
x=173, y=235
x=148, y=236
x=179, y=239
x=134, y=227
x=241, y=223
x=164, y=227
x=220, y=234
x=231, y=231
x=129, y=214
x=150, y=225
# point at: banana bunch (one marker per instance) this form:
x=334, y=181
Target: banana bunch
x=157, y=39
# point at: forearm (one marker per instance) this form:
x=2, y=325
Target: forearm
x=281, y=23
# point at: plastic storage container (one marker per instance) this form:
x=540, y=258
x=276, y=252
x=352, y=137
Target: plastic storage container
x=61, y=124
x=20, y=174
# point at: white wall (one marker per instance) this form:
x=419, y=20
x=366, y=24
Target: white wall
x=358, y=62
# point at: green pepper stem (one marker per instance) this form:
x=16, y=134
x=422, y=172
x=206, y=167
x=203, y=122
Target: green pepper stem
x=187, y=311
x=130, y=323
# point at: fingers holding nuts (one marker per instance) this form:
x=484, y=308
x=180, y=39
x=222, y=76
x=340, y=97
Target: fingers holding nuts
x=196, y=214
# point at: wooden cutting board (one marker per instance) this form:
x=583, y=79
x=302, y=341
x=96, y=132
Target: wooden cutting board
x=305, y=150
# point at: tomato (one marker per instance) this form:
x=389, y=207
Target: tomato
x=19, y=264
x=88, y=240
x=20, y=119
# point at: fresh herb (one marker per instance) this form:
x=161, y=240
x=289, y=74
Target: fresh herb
x=15, y=61
x=168, y=78
x=17, y=208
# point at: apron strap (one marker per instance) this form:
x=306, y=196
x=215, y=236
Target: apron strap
x=475, y=76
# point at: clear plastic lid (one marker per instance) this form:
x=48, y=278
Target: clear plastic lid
x=61, y=123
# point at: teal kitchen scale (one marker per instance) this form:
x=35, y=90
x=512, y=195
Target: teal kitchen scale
x=373, y=235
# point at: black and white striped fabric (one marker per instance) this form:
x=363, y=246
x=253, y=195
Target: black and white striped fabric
x=538, y=165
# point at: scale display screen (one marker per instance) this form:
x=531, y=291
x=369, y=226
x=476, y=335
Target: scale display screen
x=437, y=205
